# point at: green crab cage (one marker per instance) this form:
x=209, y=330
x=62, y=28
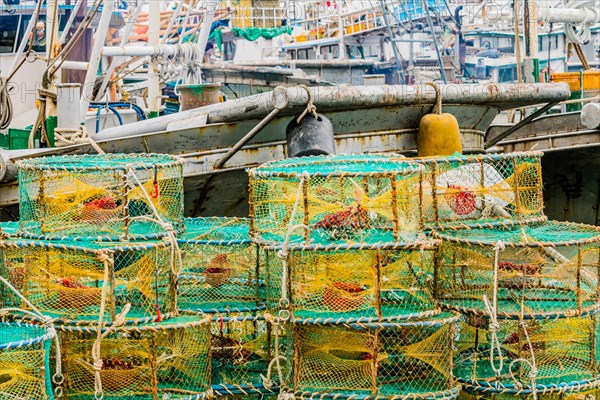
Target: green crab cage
x=557, y=356
x=222, y=270
x=392, y=360
x=343, y=197
x=242, y=347
x=25, y=361
x=66, y=280
x=480, y=190
x=169, y=359
x=547, y=270
x=112, y=196
x=352, y=282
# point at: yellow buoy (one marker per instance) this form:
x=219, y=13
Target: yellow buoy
x=439, y=134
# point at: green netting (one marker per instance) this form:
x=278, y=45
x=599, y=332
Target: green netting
x=482, y=190
x=565, y=355
x=110, y=196
x=161, y=360
x=9, y=228
x=548, y=269
x=65, y=280
x=338, y=198
x=24, y=362
x=390, y=360
x=379, y=282
x=242, y=347
x=253, y=34
x=221, y=267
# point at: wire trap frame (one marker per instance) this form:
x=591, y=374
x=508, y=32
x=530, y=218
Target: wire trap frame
x=352, y=282
x=71, y=281
x=167, y=359
x=111, y=196
x=242, y=346
x=25, y=361
x=551, y=358
x=396, y=360
x=538, y=271
x=480, y=190
x=222, y=269
x=334, y=198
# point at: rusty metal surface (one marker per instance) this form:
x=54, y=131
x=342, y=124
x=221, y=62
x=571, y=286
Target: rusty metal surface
x=344, y=98
x=549, y=133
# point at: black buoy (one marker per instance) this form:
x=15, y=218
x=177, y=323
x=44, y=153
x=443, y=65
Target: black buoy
x=311, y=137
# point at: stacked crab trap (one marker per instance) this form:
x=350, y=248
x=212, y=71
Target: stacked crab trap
x=349, y=280
x=94, y=258
x=527, y=288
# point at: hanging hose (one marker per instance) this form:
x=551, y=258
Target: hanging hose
x=6, y=107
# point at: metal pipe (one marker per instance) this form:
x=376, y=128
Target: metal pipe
x=153, y=78
x=75, y=65
x=209, y=15
x=519, y=125
x=69, y=23
x=332, y=98
x=116, y=60
x=569, y=15
x=90, y=76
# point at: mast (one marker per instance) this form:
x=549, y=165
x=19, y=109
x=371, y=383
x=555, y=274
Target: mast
x=153, y=78
x=52, y=47
x=531, y=62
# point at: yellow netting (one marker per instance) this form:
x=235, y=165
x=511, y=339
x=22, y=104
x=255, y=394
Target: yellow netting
x=242, y=347
x=24, y=369
x=351, y=283
x=471, y=190
x=387, y=360
x=564, y=351
x=169, y=359
x=340, y=198
x=531, y=280
x=66, y=281
x=94, y=196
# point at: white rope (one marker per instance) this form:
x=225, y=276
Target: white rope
x=69, y=137
x=118, y=321
x=492, y=310
x=532, y=364
x=267, y=382
x=168, y=227
x=58, y=377
x=581, y=34
x=284, y=252
x=6, y=107
x=310, y=107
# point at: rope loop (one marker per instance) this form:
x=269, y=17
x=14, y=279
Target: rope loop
x=437, y=109
x=310, y=107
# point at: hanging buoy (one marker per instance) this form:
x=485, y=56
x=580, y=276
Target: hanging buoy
x=311, y=136
x=439, y=134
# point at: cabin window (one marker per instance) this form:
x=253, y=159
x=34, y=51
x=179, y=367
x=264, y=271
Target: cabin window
x=507, y=74
x=302, y=54
x=8, y=33
x=292, y=54
x=39, y=32
x=334, y=50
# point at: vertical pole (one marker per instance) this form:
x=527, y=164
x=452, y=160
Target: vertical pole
x=209, y=15
x=341, y=29
x=90, y=76
x=153, y=40
x=51, y=51
x=531, y=63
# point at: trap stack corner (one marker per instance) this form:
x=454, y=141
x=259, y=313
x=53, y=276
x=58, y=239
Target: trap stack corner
x=527, y=288
x=351, y=275
x=94, y=257
x=223, y=276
